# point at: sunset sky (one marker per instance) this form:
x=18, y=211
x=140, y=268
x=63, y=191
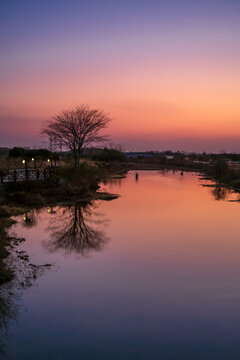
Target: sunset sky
x=168, y=72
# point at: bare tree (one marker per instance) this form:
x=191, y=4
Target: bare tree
x=76, y=129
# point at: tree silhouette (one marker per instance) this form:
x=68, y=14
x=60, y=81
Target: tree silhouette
x=76, y=129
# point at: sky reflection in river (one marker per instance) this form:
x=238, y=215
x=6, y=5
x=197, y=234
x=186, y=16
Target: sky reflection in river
x=160, y=275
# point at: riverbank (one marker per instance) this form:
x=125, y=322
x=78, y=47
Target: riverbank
x=6, y=243
x=5, y=273
x=219, y=171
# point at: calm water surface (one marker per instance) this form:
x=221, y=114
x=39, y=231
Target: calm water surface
x=154, y=274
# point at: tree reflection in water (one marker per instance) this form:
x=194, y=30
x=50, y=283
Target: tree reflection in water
x=76, y=229
x=73, y=229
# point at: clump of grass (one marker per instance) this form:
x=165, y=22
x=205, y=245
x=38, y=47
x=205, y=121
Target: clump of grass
x=6, y=274
x=4, y=211
x=236, y=183
x=83, y=179
x=25, y=198
x=220, y=169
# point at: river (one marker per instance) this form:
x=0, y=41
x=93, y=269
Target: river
x=154, y=274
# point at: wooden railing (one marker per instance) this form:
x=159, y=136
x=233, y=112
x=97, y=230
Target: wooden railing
x=25, y=175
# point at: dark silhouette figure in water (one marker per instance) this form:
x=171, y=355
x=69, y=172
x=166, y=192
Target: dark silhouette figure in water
x=136, y=177
x=72, y=230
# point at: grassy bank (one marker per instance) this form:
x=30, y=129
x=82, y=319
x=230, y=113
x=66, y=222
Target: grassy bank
x=65, y=184
x=6, y=273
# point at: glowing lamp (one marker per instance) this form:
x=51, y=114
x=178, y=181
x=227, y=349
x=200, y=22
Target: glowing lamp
x=23, y=161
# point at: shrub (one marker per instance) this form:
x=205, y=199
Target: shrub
x=83, y=179
x=219, y=169
x=109, y=155
x=4, y=212
x=25, y=198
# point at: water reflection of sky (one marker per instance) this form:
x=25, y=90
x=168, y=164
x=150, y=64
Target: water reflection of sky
x=162, y=282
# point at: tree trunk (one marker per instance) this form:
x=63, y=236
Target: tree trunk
x=75, y=162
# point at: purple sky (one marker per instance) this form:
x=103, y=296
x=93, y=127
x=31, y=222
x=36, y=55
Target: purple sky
x=167, y=71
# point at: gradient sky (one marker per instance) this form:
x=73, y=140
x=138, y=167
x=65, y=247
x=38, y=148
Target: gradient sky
x=168, y=71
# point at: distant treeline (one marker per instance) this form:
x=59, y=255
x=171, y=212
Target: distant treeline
x=107, y=155
x=114, y=154
x=191, y=156
x=4, y=151
x=18, y=152
x=94, y=154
